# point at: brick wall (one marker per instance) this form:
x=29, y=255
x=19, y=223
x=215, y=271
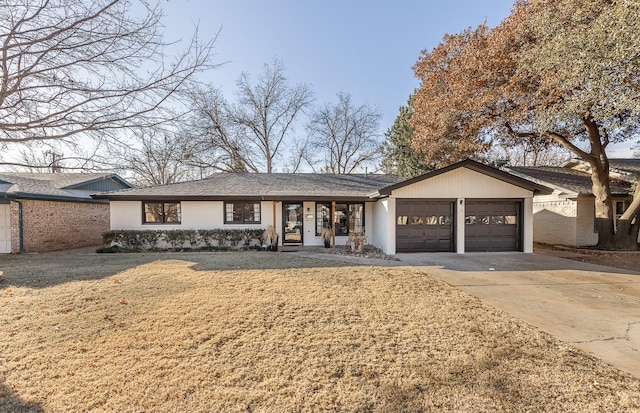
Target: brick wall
x=554, y=222
x=56, y=225
x=15, y=234
x=586, y=234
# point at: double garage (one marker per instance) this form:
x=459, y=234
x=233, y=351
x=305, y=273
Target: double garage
x=428, y=225
x=465, y=207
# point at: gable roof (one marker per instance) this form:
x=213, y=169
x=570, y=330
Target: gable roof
x=263, y=186
x=567, y=180
x=474, y=166
x=58, y=186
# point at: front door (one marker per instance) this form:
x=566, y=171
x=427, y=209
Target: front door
x=292, y=223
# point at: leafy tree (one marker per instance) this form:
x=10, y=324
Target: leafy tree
x=564, y=71
x=72, y=68
x=399, y=157
x=346, y=135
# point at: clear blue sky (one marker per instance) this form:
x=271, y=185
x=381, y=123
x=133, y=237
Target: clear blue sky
x=365, y=48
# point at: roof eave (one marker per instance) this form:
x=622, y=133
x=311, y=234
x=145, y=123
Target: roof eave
x=41, y=197
x=345, y=198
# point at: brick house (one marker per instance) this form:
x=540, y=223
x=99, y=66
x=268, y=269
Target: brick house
x=53, y=211
x=567, y=216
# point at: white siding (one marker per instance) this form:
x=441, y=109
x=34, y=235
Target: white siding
x=125, y=214
x=461, y=183
x=382, y=233
x=5, y=228
x=377, y=234
x=194, y=215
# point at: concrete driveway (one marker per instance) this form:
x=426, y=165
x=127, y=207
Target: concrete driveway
x=591, y=307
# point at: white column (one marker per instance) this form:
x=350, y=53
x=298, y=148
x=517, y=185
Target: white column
x=391, y=226
x=527, y=225
x=460, y=208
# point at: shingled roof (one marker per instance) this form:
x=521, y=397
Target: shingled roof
x=263, y=186
x=567, y=180
x=58, y=186
x=630, y=165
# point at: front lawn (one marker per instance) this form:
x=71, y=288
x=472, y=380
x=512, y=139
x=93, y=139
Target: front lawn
x=273, y=332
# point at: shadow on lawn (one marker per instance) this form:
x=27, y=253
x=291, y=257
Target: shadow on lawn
x=9, y=402
x=40, y=270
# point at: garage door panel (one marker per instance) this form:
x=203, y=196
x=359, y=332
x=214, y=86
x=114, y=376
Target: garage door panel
x=424, y=225
x=492, y=226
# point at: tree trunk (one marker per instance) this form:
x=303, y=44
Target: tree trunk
x=600, y=186
x=628, y=226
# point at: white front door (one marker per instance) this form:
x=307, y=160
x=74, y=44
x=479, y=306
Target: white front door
x=5, y=228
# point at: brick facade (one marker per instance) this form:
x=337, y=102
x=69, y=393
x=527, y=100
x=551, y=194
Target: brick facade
x=565, y=222
x=58, y=225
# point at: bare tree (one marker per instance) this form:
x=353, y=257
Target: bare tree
x=346, y=135
x=265, y=112
x=214, y=136
x=159, y=158
x=72, y=68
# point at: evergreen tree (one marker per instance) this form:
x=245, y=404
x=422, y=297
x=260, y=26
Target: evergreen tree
x=398, y=156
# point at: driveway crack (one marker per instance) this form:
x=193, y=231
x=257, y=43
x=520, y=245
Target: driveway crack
x=625, y=337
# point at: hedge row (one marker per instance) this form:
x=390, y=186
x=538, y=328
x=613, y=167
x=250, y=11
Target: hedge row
x=177, y=239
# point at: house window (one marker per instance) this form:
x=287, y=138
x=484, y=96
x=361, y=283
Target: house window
x=323, y=217
x=618, y=208
x=242, y=212
x=161, y=213
x=348, y=218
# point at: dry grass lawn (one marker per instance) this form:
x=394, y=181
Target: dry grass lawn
x=273, y=332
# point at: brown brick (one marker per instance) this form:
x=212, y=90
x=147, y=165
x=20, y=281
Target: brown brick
x=57, y=225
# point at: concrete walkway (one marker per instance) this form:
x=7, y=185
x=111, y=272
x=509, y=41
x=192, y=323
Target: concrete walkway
x=591, y=307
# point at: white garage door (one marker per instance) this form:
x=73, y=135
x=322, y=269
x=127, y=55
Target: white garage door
x=5, y=229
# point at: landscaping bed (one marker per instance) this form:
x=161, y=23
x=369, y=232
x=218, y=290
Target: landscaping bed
x=627, y=260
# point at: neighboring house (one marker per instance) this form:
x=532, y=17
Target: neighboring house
x=53, y=211
x=567, y=216
x=467, y=206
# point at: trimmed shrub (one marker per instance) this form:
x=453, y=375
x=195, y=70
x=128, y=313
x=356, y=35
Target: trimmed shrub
x=177, y=239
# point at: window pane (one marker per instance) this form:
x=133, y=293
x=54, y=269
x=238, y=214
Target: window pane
x=172, y=212
x=431, y=220
x=483, y=220
x=340, y=219
x=497, y=220
x=510, y=220
x=470, y=219
x=247, y=212
x=237, y=213
x=444, y=220
x=403, y=219
x=417, y=220
x=323, y=217
x=256, y=212
x=228, y=212
x=153, y=212
x=356, y=217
